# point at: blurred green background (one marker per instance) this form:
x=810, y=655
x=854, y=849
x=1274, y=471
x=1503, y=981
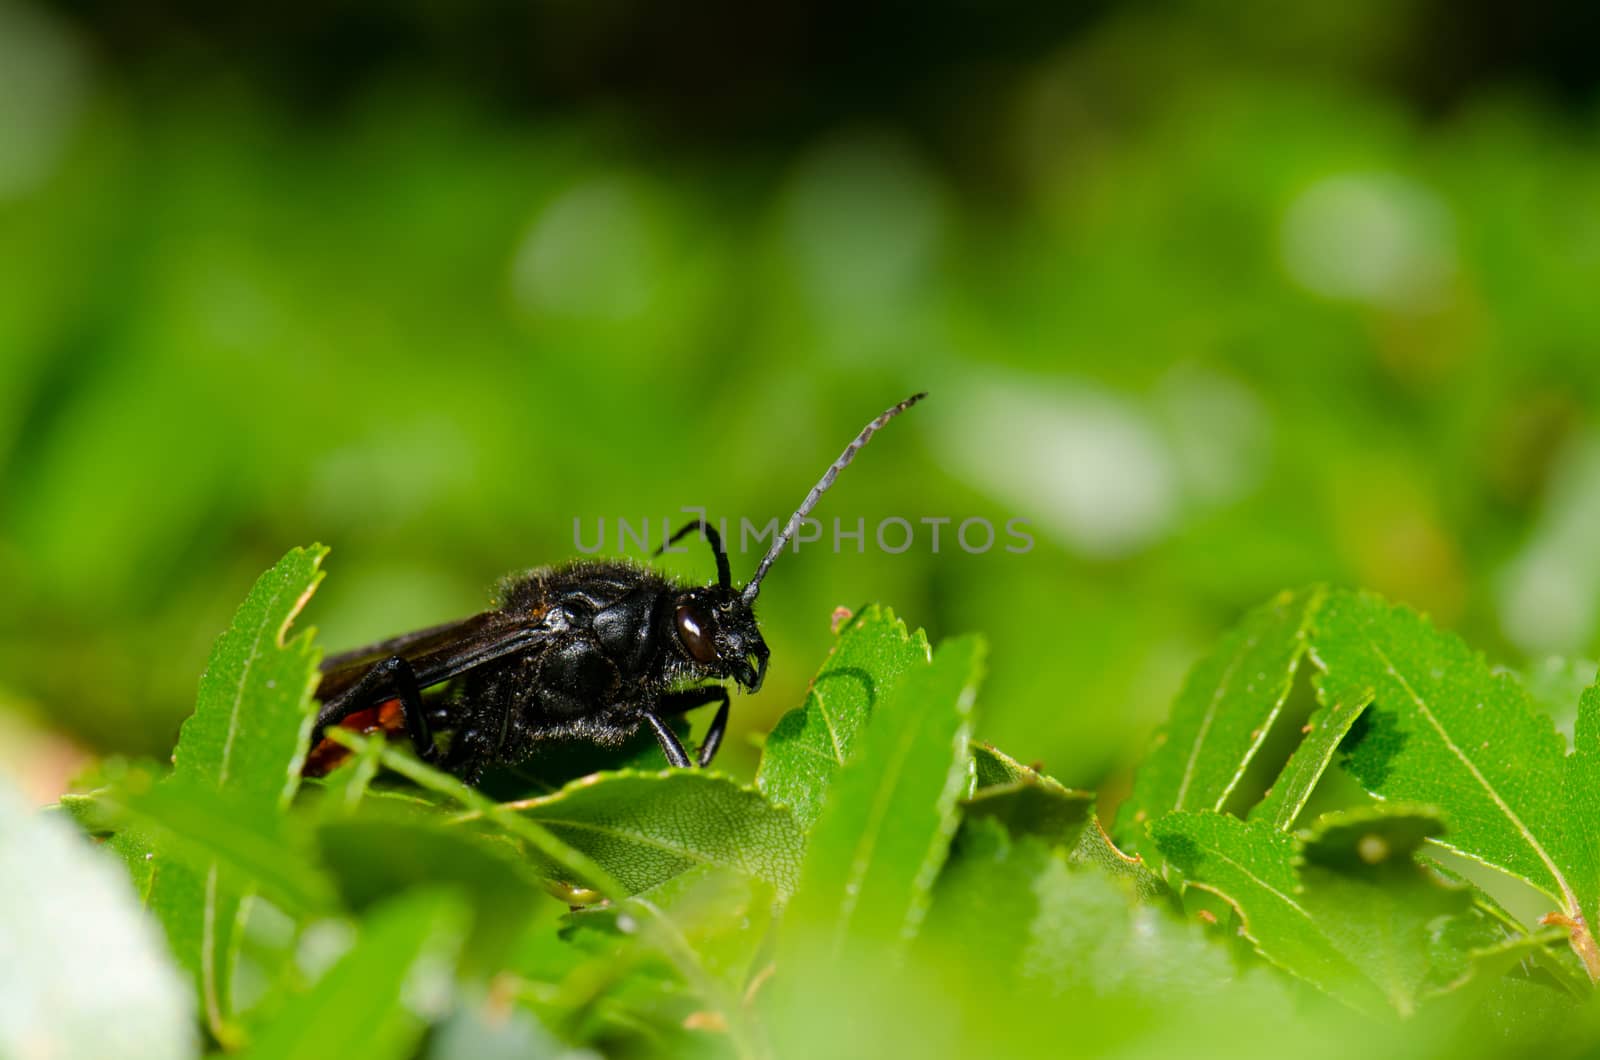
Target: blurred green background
x=1219, y=299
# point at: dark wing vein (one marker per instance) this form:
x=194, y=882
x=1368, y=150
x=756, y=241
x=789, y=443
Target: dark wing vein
x=438, y=653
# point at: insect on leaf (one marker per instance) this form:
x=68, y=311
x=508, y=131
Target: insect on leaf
x=247, y=738
x=811, y=743
x=1223, y=713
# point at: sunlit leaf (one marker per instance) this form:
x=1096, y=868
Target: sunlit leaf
x=1024, y=914
x=1578, y=837
x=247, y=739
x=1323, y=733
x=890, y=813
x=872, y=859
x=1376, y=903
x=722, y=915
x=1344, y=906
x=1057, y=814
x=644, y=828
x=1026, y=801
x=1253, y=867
x=202, y=828
x=1223, y=713
x=438, y=789
x=1097, y=848
x=1447, y=730
x=811, y=743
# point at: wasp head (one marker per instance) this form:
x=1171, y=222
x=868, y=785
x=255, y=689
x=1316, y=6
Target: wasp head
x=717, y=630
x=716, y=625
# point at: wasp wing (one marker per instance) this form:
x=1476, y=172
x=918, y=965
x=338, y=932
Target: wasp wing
x=438, y=653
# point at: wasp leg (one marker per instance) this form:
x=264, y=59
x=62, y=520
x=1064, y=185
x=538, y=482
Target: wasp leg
x=671, y=746
x=469, y=754
x=689, y=698
x=392, y=678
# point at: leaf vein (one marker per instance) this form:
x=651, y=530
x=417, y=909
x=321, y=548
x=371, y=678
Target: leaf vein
x=238, y=692
x=1209, y=717
x=1567, y=894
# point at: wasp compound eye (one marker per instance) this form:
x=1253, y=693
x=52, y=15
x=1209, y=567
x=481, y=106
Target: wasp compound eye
x=694, y=629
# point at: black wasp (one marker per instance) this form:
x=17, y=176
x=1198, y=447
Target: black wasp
x=587, y=650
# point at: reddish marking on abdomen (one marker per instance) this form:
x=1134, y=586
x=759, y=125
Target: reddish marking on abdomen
x=387, y=717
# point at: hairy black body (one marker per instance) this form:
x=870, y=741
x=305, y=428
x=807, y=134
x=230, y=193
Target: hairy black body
x=588, y=650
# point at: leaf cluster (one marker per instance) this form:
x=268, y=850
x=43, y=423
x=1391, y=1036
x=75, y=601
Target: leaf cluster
x=890, y=884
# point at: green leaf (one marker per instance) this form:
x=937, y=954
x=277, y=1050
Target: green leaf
x=811, y=743
x=201, y=828
x=887, y=823
x=1223, y=713
x=648, y=969
x=1345, y=906
x=707, y=925
x=373, y=1003
x=720, y=916
x=573, y=864
x=247, y=737
x=248, y=732
x=342, y=793
x=644, y=828
x=1252, y=866
x=1324, y=732
x=1088, y=934
x=1014, y=913
x=1486, y=942
x=85, y=974
x=1378, y=905
x=1496, y=929
x=1578, y=839
x=1026, y=801
x=556, y=763
x=377, y=857
x=984, y=903
x=1062, y=815
x=1096, y=848
x=1445, y=729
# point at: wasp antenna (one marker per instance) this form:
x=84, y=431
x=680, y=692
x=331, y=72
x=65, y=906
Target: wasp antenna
x=849, y=454
x=714, y=539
